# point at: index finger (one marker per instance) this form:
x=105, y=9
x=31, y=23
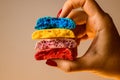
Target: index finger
x=89, y=6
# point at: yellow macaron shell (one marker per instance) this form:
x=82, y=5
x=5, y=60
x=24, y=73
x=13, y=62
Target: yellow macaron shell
x=52, y=33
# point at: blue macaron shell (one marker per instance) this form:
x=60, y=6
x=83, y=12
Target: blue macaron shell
x=52, y=22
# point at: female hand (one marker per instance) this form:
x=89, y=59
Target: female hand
x=103, y=56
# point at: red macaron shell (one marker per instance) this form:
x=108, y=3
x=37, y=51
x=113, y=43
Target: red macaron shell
x=57, y=53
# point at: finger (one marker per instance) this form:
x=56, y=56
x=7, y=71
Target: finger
x=79, y=31
x=85, y=37
x=69, y=5
x=89, y=6
x=92, y=8
x=67, y=8
x=69, y=66
x=79, y=16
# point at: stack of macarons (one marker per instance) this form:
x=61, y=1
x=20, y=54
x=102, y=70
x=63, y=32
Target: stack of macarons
x=55, y=39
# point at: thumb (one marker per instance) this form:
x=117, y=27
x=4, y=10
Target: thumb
x=67, y=65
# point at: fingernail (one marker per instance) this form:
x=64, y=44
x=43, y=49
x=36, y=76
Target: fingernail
x=58, y=14
x=51, y=62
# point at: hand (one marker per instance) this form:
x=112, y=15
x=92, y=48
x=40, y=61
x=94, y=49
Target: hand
x=103, y=56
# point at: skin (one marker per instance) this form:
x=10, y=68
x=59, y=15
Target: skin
x=103, y=56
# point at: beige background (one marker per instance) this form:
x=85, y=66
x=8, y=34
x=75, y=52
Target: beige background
x=17, y=20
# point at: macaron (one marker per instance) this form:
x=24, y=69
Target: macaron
x=44, y=44
x=53, y=22
x=52, y=33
